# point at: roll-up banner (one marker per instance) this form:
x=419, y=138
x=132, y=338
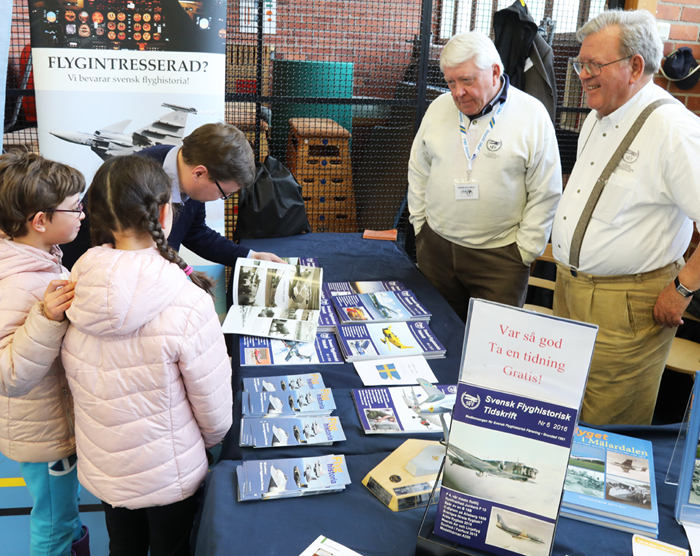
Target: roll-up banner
x=113, y=77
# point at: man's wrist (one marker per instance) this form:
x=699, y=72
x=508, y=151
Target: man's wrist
x=681, y=289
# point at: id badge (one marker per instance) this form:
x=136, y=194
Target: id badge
x=466, y=190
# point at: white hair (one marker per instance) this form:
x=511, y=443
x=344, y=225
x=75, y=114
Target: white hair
x=467, y=46
x=638, y=35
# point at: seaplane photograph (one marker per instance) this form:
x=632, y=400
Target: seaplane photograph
x=506, y=469
x=519, y=533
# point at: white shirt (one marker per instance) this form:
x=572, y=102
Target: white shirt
x=517, y=169
x=641, y=222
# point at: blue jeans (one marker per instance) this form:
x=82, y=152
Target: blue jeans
x=55, y=520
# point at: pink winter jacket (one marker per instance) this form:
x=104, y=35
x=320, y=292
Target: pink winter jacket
x=36, y=421
x=151, y=379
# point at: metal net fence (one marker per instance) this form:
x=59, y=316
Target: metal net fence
x=335, y=89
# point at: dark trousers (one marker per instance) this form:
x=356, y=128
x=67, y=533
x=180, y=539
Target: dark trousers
x=164, y=529
x=460, y=273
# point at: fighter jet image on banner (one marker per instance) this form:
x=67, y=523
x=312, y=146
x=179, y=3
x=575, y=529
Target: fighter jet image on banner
x=513, y=470
x=113, y=140
x=516, y=533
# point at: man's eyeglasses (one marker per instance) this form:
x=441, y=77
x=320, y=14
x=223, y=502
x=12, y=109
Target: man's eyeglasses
x=78, y=209
x=223, y=195
x=593, y=69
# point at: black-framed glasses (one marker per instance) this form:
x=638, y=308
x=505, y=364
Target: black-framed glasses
x=223, y=195
x=78, y=209
x=593, y=69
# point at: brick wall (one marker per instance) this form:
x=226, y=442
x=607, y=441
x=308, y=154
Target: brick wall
x=684, y=17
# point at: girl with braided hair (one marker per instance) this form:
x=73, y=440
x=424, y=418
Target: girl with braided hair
x=146, y=362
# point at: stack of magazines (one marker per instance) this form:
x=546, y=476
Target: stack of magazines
x=400, y=306
x=265, y=351
x=610, y=482
x=296, y=411
x=289, y=431
x=360, y=342
x=285, y=478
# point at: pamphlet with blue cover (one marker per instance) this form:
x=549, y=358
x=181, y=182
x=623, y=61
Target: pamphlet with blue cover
x=383, y=341
x=283, y=383
x=609, y=522
x=380, y=307
x=271, y=432
x=397, y=409
x=266, y=351
x=331, y=289
x=520, y=389
x=300, y=403
x=688, y=496
x=612, y=476
x=282, y=478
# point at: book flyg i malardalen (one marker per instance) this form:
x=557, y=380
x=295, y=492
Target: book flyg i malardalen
x=611, y=477
x=521, y=384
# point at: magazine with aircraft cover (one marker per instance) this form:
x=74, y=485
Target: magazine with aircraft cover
x=611, y=475
x=383, y=341
x=266, y=351
x=272, y=432
x=687, y=508
x=301, y=403
x=283, y=478
x=274, y=300
x=401, y=409
x=521, y=384
x=380, y=307
x=301, y=261
x=323, y=546
x=344, y=288
x=284, y=383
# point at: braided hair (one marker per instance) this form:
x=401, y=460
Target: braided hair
x=126, y=194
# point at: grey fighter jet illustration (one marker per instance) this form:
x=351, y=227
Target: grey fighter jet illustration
x=516, y=533
x=114, y=140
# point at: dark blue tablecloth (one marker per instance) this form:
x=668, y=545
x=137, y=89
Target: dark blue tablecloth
x=348, y=257
x=355, y=517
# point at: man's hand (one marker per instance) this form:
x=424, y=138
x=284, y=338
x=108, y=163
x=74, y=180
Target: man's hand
x=669, y=307
x=57, y=298
x=266, y=257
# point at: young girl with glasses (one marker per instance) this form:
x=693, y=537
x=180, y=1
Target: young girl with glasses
x=147, y=364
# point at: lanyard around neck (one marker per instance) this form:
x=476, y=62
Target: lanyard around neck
x=465, y=142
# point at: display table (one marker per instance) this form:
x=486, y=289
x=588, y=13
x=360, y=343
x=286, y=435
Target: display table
x=355, y=517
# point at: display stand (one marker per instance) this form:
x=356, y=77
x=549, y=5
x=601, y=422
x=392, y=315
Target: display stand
x=674, y=466
x=687, y=509
x=430, y=544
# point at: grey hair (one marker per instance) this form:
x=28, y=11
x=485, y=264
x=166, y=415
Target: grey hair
x=638, y=35
x=466, y=46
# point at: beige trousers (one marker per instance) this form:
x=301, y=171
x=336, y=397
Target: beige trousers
x=460, y=273
x=631, y=348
